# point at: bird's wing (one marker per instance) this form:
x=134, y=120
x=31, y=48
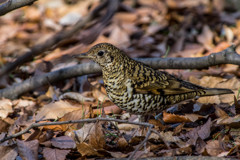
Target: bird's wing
x=162, y=84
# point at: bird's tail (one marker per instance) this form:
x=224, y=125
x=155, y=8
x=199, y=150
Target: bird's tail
x=217, y=91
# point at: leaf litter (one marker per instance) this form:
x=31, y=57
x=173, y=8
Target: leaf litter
x=208, y=126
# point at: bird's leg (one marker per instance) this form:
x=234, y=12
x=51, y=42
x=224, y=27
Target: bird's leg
x=158, y=116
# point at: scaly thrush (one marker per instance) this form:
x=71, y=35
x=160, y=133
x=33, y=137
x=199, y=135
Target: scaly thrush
x=138, y=88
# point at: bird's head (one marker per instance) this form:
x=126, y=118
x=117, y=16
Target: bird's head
x=102, y=53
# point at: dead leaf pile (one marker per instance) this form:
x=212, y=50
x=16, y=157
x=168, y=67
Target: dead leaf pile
x=208, y=126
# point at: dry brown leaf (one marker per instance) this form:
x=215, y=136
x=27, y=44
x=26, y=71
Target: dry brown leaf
x=46, y=136
x=122, y=144
x=228, y=33
x=213, y=148
x=157, y=124
x=96, y=136
x=170, y=138
x=178, y=129
x=124, y=17
x=219, y=112
x=63, y=142
x=205, y=130
x=54, y=127
x=233, y=122
x=190, y=50
x=237, y=105
x=206, y=37
x=56, y=110
x=108, y=110
x=185, y=3
x=173, y=118
x=5, y=108
x=76, y=96
x=8, y=32
x=32, y=14
x=142, y=154
x=231, y=68
x=119, y=36
x=57, y=154
x=81, y=113
x=200, y=146
x=217, y=82
x=127, y=127
x=23, y=103
x=87, y=150
x=28, y=150
x=118, y=155
x=51, y=93
x=97, y=94
x=3, y=126
x=82, y=135
x=8, y=153
x=194, y=117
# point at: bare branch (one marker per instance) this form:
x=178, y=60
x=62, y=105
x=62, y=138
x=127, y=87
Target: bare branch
x=34, y=125
x=10, y=5
x=227, y=56
x=143, y=142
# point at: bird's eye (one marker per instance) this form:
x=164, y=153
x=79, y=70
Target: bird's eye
x=100, y=53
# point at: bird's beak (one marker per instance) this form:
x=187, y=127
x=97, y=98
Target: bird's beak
x=82, y=56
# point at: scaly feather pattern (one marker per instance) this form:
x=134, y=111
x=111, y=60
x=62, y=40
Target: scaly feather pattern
x=138, y=88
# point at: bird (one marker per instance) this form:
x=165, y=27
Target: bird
x=139, y=89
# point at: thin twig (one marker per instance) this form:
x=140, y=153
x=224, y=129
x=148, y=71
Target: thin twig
x=143, y=142
x=10, y=5
x=227, y=56
x=34, y=125
x=162, y=138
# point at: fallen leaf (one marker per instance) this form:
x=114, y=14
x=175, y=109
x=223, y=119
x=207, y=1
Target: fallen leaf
x=205, y=130
x=3, y=126
x=173, y=118
x=87, y=150
x=170, y=138
x=180, y=4
x=99, y=95
x=8, y=153
x=202, y=132
x=118, y=155
x=216, y=82
x=122, y=144
x=5, y=108
x=57, y=154
x=213, y=148
x=206, y=37
x=119, y=36
x=109, y=110
x=96, y=136
x=219, y=112
x=29, y=149
x=63, y=142
x=82, y=135
x=76, y=96
x=233, y=122
x=56, y=110
x=127, y=127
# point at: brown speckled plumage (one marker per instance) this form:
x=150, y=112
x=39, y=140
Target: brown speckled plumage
x=139, y=89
